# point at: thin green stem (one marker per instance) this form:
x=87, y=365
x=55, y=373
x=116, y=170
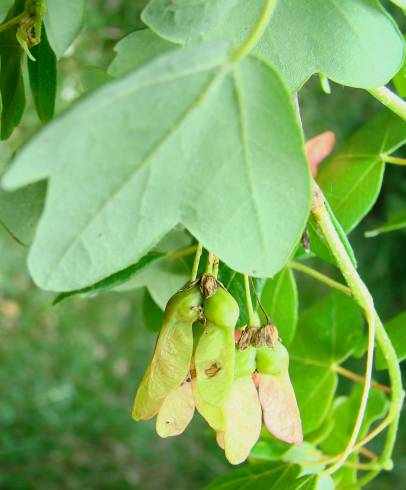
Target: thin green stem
x=250, y=309
x=363, y=298
x=216, y=265
x=319, y=276
x=256, y=34
x=346, y=373
x=209, y=264
x=390, y=100
x=398, y=394
x=267, y=318
x=182, y=252
x=12, y=22
x=393, y=160
x=196, y=262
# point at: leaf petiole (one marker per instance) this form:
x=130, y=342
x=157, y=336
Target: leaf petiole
x=393, y=160
x=319, y=277
x=250, y=309
x=346, y=373
x=390, y=100
x=196, y=262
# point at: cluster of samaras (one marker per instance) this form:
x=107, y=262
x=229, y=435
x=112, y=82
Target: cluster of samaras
x=234, y=379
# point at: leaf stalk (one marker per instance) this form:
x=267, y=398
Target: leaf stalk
x=390, y=100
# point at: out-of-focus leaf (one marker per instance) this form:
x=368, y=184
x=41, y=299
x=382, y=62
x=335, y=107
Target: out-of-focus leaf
x=269, y=448
x=11, y=78
x=359, y=32
x=4, y=7
x=351, y=179
x=20, y=211
x=319, y=148
x=115, y=279
x=327, y=333
x=309, y=482
x=63, y=22
x=93, y=77
x=396, y=329
x=136, y=49
x=43, y=73
x=151, y=312
x=261, y=476
x=399, y=80
x=396, y=221
x=280, y=300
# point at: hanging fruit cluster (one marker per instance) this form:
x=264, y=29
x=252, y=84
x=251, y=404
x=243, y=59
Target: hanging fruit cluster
x=234, y=379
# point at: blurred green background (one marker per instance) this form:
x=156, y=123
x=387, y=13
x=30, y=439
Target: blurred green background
x=68, y=372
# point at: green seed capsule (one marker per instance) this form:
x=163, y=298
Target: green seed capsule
x=171, y=361
x=222, y=309
x=215, y=352
x=245, y=363
x=273, y=360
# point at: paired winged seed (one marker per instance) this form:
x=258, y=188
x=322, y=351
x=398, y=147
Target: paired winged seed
x=176, y=411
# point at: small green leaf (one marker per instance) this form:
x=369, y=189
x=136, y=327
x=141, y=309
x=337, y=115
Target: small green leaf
x=136, y=49
x=344, y=418
x=280, y=300
x=351, y=179
x=20, y=211
x=396, y=329
x=314, y=387
x=42, y=73
x=269, y=448
x=261, y=476
x=309, y=482
x=346, y=475
x=327, y=334
x=63, y=22
x=357, y=31
x=115, y=279
x=11, y=78
x=396, y=221
x=222, y=189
